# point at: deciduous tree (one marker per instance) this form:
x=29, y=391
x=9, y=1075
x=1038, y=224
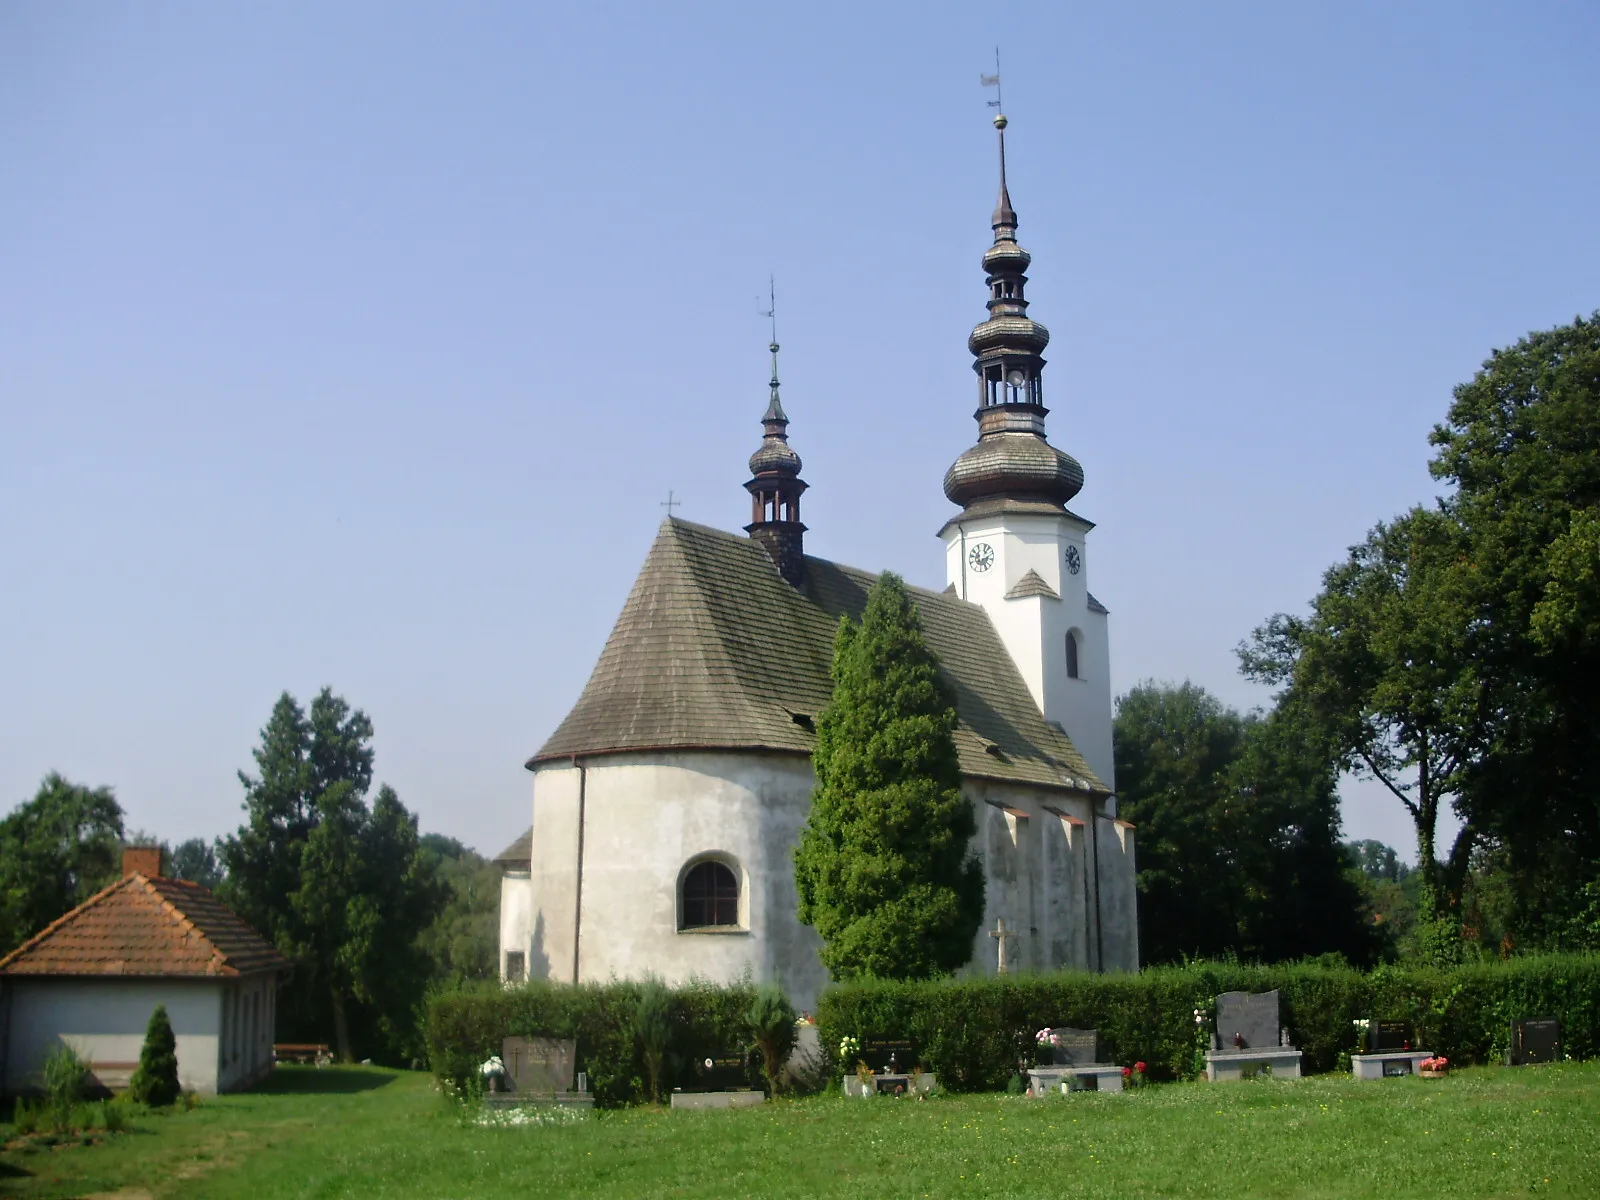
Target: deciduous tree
x=56, y=851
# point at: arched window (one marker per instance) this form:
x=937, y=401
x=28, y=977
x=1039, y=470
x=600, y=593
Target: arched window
x=710, y=896
x=1072, y=655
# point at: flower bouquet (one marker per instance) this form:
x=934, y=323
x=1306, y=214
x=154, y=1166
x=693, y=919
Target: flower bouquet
x=1134, y=1076
x=1363, y=1025
x=1436, y=1067
x=1046, y=1041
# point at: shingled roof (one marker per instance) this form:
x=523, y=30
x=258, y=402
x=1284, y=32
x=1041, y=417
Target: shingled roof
x=146, y=927
x=714, y=650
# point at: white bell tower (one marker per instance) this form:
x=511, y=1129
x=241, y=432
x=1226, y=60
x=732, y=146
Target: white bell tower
x=1015, y=548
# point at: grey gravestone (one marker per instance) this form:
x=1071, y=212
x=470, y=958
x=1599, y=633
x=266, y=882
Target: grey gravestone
x=1537, y=1041
x=1388, y=1036
x=1246, y=1021
x=540, y=1066
x=1075, y=1047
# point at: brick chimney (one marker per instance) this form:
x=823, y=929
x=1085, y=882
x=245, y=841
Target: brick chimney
x=141, y=860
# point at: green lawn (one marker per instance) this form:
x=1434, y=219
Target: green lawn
x=368, y=1132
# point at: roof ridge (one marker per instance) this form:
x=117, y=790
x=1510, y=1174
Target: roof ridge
x=219, y=957
x=64, y=918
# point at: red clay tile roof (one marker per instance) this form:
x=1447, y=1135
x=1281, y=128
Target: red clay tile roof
x=150, y=927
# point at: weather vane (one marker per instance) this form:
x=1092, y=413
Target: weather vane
x=993, y=81
x=771, y=311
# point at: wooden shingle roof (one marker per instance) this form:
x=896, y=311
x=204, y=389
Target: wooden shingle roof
x=714, y=650
x=147, y=927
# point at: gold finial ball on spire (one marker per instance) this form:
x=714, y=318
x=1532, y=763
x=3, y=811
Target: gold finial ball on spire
x=999, y=120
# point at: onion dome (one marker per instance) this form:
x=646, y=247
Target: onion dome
x=775, y=487
x=1012, y=459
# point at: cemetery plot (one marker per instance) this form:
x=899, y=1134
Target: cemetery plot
x=1536, y=1041
x=541, y=1069
x=1248, y=1039
x=1072, y=1063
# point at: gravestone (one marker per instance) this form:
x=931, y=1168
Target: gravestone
x=1384, y=1036
x=1247, y=1021
x=889, y=1056
x=1536, y=1041
x=1074, y=1047
x=720, y=1071
x=1248, y=1041
x=540, y=1066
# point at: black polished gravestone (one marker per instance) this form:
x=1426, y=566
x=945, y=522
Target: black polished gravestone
x=540, y=1066
x=1074, y=1047
x=719, y=1071
x=1534, y=1042
x=1385, y=1037
x=889, y=1056
x=1247, y=1022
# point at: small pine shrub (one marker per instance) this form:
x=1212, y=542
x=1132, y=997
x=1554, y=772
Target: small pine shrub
x=155, y=1081
x=27, y=1118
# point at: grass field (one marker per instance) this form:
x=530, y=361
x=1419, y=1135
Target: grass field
x=367, y=1132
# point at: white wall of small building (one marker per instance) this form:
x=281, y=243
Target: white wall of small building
x=516, y=920
x=221, y=1046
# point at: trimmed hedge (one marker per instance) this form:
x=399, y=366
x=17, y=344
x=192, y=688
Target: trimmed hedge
x=465, y=1027
x=972, y=1033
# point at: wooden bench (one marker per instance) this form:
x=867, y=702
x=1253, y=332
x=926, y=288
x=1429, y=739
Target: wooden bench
x=302, y=1052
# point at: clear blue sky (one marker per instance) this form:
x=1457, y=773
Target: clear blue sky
x=357, y=344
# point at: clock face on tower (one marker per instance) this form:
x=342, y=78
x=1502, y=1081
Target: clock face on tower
x=981, y=557
x=1074, y=562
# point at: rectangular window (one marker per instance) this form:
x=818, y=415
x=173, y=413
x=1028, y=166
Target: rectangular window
x=516, y=966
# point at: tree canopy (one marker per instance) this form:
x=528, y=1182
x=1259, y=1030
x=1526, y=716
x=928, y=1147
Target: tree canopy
x=340, y=887
x=884, y=869
x=56, y=851
x=1238, y=823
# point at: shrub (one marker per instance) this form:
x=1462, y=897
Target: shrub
x=63, y=1087
x=155, y=1081
x=466, y=1025
x=771, y=1021
x=973, y=1032
x=652, y=1023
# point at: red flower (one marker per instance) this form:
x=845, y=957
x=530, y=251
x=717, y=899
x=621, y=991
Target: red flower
x=1126, y=1072
x=1139, y=1067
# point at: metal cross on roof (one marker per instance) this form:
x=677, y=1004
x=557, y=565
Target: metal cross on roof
x=669, y=503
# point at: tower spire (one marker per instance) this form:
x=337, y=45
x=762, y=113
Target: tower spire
x=775, y=485
x=1012, y=460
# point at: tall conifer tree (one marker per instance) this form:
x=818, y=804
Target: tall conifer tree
x=883, y=868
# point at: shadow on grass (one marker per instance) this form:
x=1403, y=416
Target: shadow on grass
x=7, y=1171
x=328, y=1081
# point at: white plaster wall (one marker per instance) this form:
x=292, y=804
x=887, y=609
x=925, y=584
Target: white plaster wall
x=104, y=1021
x=648, y=815
x=516, y=915
x=1034, y=628
x=249, y=1014
x=1042, y=879
x=645, y=817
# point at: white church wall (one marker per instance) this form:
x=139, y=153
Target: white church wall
x=647, y=816
x=516, y=922
x=554, y=871
x=1066, y=889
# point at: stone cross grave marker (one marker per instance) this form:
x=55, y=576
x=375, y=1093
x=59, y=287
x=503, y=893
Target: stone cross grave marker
x=1246, y=1021
x=1001, y=935
x=1074, y=1047
x=1537, y=1041
x=540, y=1066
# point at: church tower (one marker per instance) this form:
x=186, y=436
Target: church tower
x=1016, y=548
x=775, y=488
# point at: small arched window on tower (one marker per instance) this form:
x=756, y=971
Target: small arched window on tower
x=1072, y=654
x=709, y=896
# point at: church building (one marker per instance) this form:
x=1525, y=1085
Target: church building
x=667, y=805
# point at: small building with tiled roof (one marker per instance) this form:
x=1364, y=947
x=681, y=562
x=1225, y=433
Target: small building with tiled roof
x=667, y=803
x=91, y=979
